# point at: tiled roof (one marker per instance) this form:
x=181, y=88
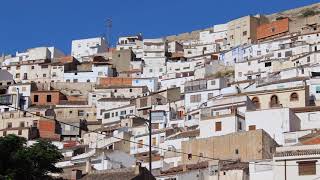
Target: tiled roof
x=297, y=152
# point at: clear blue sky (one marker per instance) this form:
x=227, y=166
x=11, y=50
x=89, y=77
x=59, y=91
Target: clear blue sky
x=31, y=23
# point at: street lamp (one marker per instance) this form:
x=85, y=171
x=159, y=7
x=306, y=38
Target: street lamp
x=149, y=123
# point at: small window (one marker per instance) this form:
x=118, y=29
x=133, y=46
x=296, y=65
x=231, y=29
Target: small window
x=252, y=127
x=130, y=90
x=19, y=132
x=218, y=126
x=21, y=124
x=213, y=82
x=279, y=54
x=308, y=59
x=317, y=89
x=32, y=67
x=267, y=64
x=236, y=151
x=294, y=97
x=244, y=33
x=189, y=156
x=307, y=168
x=88, y=80
x=48, y=98
x=44, y=75
x=9, y=125
x=107, y=115
x=36, y=98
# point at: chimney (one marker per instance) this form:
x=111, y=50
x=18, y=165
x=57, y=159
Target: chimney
x=76, y=174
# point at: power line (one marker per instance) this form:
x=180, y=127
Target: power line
x=155, y=147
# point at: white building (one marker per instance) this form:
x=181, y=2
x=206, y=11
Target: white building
x=154, y=56
x=274, y=121
x=296, y=162
x=131, y=42
x=87, y=47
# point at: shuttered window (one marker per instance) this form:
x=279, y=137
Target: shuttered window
x=252, y=127
x=218, y=126
x=307, y=168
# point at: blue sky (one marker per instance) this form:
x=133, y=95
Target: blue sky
x=31, y=23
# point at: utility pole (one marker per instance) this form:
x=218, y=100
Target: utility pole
x=109, y=26
x=150, y=135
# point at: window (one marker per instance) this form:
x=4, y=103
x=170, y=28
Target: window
x=36, y=98
x=130, y=90
x=274, y=102
x=160, y=70
x=252, y=127
x=294, y=97
x=70, y=112
x=279, y=54
x=308, y=59
x=189, y=156
x=131, y=111
x=256, y=102
x=68, y=80
x=18, y=67
x=21, y=124
x=9, y=125
x=140, y=143
x=258, y=53
x=44, y=75
x=80, y=112
x=288, y=53
x=307, y=168
x=236, y=151
x=48, y=98
x=249, y=63
x=123, y=112
x=154, y=141
x=107, y=115
x=112, y=114
x=75, y=80
x=244, y=33
x=267, y=64
x=317, y=89
x=218, y=126
x=18, y=75
x=249, y=77
x=195, y=98
x=32, y=67
x=116, y=114
x=239, y=125
x=213, y=82
x=210, y=95
x=19, y=132
x=240, y=74
x=150, y=70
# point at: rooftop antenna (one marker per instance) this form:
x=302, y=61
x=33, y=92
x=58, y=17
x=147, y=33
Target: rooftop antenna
x=109, y=26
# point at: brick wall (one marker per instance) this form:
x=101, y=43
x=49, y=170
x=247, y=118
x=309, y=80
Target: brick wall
x=115, y=81
x=56, y=96
x=273, y=28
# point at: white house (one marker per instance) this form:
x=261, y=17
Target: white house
x=87, y=47
x=296, y=162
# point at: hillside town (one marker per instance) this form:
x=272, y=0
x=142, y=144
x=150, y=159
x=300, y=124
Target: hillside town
x=235, y=101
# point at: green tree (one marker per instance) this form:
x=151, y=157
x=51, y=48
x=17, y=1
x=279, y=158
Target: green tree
x=17, y=161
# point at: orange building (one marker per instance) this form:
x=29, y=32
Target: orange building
x=275, y=28
x=115, y=81
x=52, y=97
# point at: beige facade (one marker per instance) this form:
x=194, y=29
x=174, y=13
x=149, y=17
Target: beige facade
x=18, y=123
x=286, y=97
x=246, y=146
x=243, y=30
